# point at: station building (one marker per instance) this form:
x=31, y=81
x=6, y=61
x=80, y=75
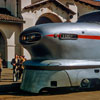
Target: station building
x=11, y=25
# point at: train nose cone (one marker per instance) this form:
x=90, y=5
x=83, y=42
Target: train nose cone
x=30, y=38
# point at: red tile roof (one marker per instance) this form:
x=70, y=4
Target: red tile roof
x=57, y=2
x=8, y=18
x=91, y=2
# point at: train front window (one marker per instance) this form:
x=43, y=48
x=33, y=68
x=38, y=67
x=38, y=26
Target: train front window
x=30, y=37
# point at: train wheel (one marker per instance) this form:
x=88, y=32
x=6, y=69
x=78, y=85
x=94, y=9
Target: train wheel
x=85, y=83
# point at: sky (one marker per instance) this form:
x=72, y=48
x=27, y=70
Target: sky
x=96, y=0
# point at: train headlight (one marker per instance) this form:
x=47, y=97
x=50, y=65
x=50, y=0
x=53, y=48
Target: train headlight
x=30, y=38
x=23, y=38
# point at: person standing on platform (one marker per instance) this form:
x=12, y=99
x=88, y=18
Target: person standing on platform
x=15, y=62
x=21, y=68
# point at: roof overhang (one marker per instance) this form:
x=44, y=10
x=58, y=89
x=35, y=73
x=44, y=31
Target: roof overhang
x=90, y=2
x=56, y=2
x=10, y=19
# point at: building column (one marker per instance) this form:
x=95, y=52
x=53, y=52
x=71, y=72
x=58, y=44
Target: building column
x=10, y=50
x=10, y=55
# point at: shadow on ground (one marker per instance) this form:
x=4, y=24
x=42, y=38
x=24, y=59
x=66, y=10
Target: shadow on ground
x=14, y=89
x=9, y=88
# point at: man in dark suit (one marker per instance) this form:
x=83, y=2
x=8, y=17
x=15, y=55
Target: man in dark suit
x=15, y=62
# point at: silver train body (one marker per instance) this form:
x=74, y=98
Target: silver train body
x=63, y=55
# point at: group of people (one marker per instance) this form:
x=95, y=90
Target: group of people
x=17, y=63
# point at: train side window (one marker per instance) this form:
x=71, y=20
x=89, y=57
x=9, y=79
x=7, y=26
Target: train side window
x=96, y=71
x=53, y=83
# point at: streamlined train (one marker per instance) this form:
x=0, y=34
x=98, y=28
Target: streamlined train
x=63, y=55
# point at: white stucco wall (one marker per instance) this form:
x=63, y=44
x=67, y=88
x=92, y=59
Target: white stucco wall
x=11, y=34
x=25, y=3
x=31, y=16
x=74, y=8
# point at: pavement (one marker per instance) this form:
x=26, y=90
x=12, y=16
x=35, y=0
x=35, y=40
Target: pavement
x=6, y=76
x=6, y=82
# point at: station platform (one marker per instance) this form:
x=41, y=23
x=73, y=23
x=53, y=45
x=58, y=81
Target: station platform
x=6, y=82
